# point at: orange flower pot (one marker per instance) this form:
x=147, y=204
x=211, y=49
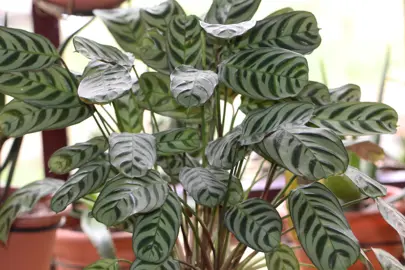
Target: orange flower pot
x=85, y=5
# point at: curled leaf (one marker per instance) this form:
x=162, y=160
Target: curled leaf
x=227, y=31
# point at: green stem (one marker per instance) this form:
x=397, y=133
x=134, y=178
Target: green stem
x=258, y=266
x=109, y=115
x=244, y=167
x=354, y=201
x=255, y=179
x=188, y=265
x=99, y=127
x=247, y=260
x=104, y=121
x=203, y=51
x=234, y=118
x=218, y=111
x=281, y=193
x=270, y=179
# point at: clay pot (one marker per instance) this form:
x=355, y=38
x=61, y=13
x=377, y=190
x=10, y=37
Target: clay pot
x=84, y=6
x=31, y=239
x=73, y=249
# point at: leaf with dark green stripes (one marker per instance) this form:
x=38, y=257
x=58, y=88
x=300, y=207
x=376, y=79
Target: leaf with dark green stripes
x=231, y=11
x=22, y=201
x=169, y=264
x=346, y=93
x=322, y=228
x=314, y=153
x=155, y=233
x=104, y=264
x=71, y=157
x=129, y=114
x=202, y=185
x=279, y=12
x=125, y=24
x=262, y=122
x=227, y=31
x=175, y=141
x=192, y=87
x=248, y=104
x=365, y=183
x=265, y=73
x=103, y=82
x=235, y=187
x=23, y=51
x=123, y=197
x=160, y=15
x=357, y=118
x=226, y=151
x=316, y=93
x=99, y=52
x=18, y=118
x=392, y=216
x=283, y=258
x=132, y=154
x=184, y=41
x=386, y=260
x=295, y=31
x=255, y=223
x=151, y=49
x=88, y=179
x=52, y=87
x=172, y=165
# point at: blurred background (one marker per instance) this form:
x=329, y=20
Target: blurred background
x=359, y=38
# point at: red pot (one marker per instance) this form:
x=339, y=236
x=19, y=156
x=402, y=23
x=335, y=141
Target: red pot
x=86, y=5
x=31, y=239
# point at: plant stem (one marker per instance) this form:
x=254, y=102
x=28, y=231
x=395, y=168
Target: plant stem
x=254, y=181
x=224, y=113
x=100, y=128
x=189, y=265
x=281, y=193
x=111, y=117
x=288, y=230
x=234, y=252
x=105, y=122
x=270, y=179
x=203, y=136
x=244, y=167
x=234, y=118
x=354, y=201
x=218, y=111
x=257, y=266
x=247, y=260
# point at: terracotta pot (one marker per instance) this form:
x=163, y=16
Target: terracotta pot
x=73, y=249
x=370, y=229
x=31, y=239
x=86, y=5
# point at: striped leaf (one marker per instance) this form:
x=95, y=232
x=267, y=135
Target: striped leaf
x=129, y=115
x=261, y=122
x=99, y=52
x=225, y=151
x=23, y=51
x=132, y=154
x=169, y=264
x=387, y=261
x=279, y=12
x=256, y=224
x=357, y=118
x=177, y=141
x=51, y=87
x=366, y=184
x=316, y=93
x=265, y=73
x=152, y=51
x=71, y=157
x=104, y=264
x=155, y=95
x=184, y=41
x=88, y=179
x=125, y=25
x=123, y=197
x=231, y=11
x=155, y=233
x=22, y=201
x=103, y=83
x=392, y=216
x=227, y=31
x=192, y=87
x=160, y=15
x=235, y=188
x=322, y=228
x=314, y=153
x=248, y=104
x=283, y=258
x=18, y=118
x=346, y=93
x=295, y=31
x=202, y=185
x=173, y=164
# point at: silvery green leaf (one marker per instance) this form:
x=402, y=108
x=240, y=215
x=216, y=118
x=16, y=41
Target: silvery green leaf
x=97, y=51
x=192, y=87
x=387, y=261
x=365, y=260
x=103, y=82
x=392, y=216
x=227, y=31
x=366, y=184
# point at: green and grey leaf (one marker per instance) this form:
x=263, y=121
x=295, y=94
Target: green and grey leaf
x=160, y=15
x=279, y=12
x=255, y=223
x=282, y=258
x=123, y=197
x=132, y=154
x=172, y=165
x=316, y=93
x=265, y=73
x=259, y=123
x=357, y=118
x=18, y=118
x=169, y=264
x=227, y=31
x=151, y=49
x=202, y=185
x=365, y=183
x=88, y=179
x=176, y=141
x=71, y=157
x=346, y=93
x=231, y=11
x=104, y=264
x=392, y=216
x=322, y=228
x=235, y=188
x=155, y=233
x=192, y=87
x=24, y=51
x=129, y=115
x=248, y=104
x=387, y=261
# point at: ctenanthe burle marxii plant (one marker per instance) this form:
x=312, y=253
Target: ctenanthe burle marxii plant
x=179, y=190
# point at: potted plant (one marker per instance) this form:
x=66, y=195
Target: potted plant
x=179, y=190
x=79, y=7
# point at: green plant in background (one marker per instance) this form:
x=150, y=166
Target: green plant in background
x=199, y=65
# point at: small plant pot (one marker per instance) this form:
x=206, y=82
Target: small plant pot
x=31, y=239
x=73, y=249
x=80, y=6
